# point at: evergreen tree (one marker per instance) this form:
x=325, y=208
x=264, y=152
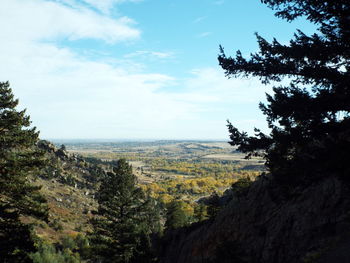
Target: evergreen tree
x=125, y=219
x=309, y=118
x=214, y=205
x=175, y=216
x=19, y=159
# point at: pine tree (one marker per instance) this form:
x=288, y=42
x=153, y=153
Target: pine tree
x=125, y=219
x=175, y=216
x=19, y=159
x=309, y=118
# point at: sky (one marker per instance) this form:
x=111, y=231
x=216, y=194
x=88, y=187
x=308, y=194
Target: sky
x=135, y=69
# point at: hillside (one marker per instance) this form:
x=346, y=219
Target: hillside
x=69, y=184
x=271, y=224
x=265, y=222
x=168, y=169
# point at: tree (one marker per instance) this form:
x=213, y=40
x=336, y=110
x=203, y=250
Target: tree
x=19, y=159
x=124, y=219
x=309, y=118
x=175, y=216
x=200, y=212
x=213, y=205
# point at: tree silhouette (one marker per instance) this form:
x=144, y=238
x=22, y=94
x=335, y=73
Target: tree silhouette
x=309, y=118
x=19, y=159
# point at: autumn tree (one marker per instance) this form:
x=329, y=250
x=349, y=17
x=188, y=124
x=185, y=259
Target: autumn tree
x=125, y=219
x=20, y=159
x=309, y=117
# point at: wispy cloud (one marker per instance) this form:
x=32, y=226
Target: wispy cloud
x=81, y=97
x=73, y=95
x=88, y=99
x=106, y=5
x=103, y=6
x=212, y=84
x=152, y=54
x=199, y=19
x=34, y=20
x=204, y=34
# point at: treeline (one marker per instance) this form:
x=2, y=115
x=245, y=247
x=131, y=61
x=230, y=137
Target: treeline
x=191, y=188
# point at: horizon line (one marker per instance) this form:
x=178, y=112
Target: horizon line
x=135, y=139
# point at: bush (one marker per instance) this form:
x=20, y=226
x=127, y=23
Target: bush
x=241, y=187
x=68, y=243
x=83, y=246
x=56, y=225
x=48, y=254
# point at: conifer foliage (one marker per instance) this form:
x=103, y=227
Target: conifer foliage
x=309, y=118
x=125, y=219
x=19, y=159
x=175, y=216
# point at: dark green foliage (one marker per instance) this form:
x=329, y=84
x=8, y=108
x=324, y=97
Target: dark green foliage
x=19, y=159
x=214, y=205
x=70, y=250
x=79, y=247
x=16, y=239
x=125, y=220
x=63, y=147
x=200, y=212
x=175, y=215
x=82, y=246
x=47, y=253
x=69, y=180
x=56, y=225
x=309, y=118
x=68, y=243
x=241, y=187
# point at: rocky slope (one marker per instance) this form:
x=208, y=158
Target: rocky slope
x=270, y=224
x=68, y=182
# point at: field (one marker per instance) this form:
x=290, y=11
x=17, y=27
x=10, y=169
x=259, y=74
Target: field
x=175, y=169
x=184, y=171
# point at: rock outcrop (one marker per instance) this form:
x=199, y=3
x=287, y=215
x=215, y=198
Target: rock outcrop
x=270, y=224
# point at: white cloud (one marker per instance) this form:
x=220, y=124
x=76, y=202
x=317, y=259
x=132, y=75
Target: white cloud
x=199, y=19
x=218, y=98
x=151, y=54
x=212, y=84
x=33, y=20
x=103, y=6
x=106, y=5
x=204, y=34
x=69, y=95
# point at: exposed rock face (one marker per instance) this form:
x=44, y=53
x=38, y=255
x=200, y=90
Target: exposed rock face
x=51, y=148
x=309, y=225
x=69, y=168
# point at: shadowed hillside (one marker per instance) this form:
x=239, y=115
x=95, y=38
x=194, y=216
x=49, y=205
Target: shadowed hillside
x=270, y=224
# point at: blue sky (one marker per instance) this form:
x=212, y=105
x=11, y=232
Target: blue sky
x=135, y=69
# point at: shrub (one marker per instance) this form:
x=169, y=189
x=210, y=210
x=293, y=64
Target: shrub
x=241, y=187
x=48, y=254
